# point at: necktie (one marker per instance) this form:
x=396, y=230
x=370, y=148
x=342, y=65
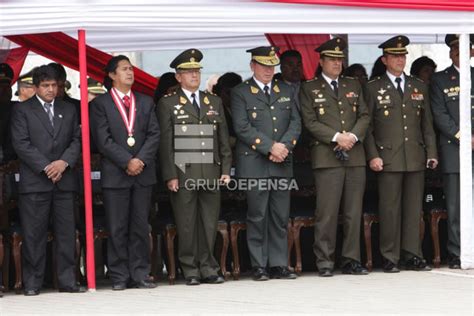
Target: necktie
x=195, y=104
x=334, y=85
x=398, y=80
x=266, y=90
x=126, y=102
x=47, y=107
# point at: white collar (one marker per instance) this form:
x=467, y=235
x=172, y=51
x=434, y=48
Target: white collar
x=261, y=85
x=43, y=102
x=393, y=77
x=190, y=98
x=121, y=94
x=329, y=80
x=456, y=67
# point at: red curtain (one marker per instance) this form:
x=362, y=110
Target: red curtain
x=305, y=44
x=62, y=48
x=15, y=58
x=448, y=5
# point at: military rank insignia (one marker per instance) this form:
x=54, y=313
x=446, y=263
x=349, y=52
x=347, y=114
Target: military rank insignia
x=206, y=100
x=254, y=90
x=254, y=115
x=276, y=89
x=182, y=100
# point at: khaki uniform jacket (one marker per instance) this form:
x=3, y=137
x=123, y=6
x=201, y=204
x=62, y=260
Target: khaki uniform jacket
x=176, y=113
x=258, y=123
x=401, y=130
x=324, y=115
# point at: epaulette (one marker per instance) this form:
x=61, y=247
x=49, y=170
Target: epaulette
x=373, y=80
x=419, y=80
x=347, y=77
x=309, y=80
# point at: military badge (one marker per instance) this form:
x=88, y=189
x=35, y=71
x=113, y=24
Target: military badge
x=175, y=112
x=180, y=117
x=276, y=89
x=321, y=111
x=178, y=106
x=386, y=113
x=254, y=115
x=206, y=100
x=184, y=128
x=446, y=90
x=379, y=97
x=181, y=112
x=283, y=99
x=382, y=91
x=351, y=95
x=254, y=90
x=417, y=96
x=182, y=100
x=316, y=91
x=387, y=97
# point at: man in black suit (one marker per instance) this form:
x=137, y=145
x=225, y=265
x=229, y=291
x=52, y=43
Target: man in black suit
x=46, y=137
x=125, y=130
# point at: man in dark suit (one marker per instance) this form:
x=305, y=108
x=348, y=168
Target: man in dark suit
x=399, y=146
x=267, y=125
x=125, y=130
x=46, y=137
x=191, y=112
x=445, y=106
x=336, y=115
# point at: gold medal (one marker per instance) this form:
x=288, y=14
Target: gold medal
x=386, y=113
x=130, y=141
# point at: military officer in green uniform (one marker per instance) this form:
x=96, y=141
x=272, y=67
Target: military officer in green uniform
x=267, y=125
x=445, y=105
x=336, y=115
x=195, y=158
x=400, y=145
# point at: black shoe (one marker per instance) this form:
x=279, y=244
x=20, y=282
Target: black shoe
x=417, y=264
x=74, y=289
x=213, y=279
x=119, y=286
x=282, y=273
x=260, y=274
x=354, y=267
x=32, y=292
x=390, y=267
x=454, y=263
x=325, y=272
x=192, y=281
x=148, y=283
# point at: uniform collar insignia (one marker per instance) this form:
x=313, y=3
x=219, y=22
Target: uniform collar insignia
x=276, y=89
x=253, y=90
x=182, y=100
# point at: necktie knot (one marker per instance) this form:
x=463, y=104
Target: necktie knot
x=126, y=101
x=195, y=104
x=334, y=85
x=266, y=90
x=398, y=80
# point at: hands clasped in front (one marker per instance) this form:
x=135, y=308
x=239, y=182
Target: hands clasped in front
x=55, y=169
x=278, y=153
x=135, y=167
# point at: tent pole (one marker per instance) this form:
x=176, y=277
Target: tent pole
x=465, y=152
x=86, y=161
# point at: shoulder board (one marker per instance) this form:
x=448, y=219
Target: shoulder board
x=347, y=77
x=418, y=79
x=315, y=78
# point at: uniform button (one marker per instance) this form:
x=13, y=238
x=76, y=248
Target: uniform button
x=406, y=139
x=203, y=154
x=343, y=122
x=449, y=142
x=254, y=147
x=342, y=112
x=200, y=122
x=257, y=141
x=339, y=102
x=404, y=116
x=275, y=130
x=202, y=133
x=203, y=144
x=274, y=118
x=403, y=105
x=405, y=127
x=272, y=107
x=381, y=147
x=343, y=130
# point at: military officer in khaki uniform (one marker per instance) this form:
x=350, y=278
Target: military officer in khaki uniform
x=335, y=113
x=267, y=125
x=399, y=146
x=445, y=104
x=195, y=158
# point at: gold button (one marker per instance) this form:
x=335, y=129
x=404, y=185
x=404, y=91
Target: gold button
x=184, y=122
x=275, y=130
x=202, y=133
x=406, y=139
x=200, y=122
x=343, y=122
x=339, y=102
x=203, y=144
x=274, y=118
x=403, y=105
x=203, y=154
x=404, y=116
x=342, y=112
x=381, y=147
x=405, y=127
x=254, y=147
x=257, y=141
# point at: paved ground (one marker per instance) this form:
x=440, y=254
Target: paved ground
x=438, y=292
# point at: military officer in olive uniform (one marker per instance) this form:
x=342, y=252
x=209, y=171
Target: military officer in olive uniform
x=267, y=125
x=400, y=145
x=336, y=115
x=193, y=168
x=445, y=105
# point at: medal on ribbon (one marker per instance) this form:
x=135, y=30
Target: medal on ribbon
x=129, y=120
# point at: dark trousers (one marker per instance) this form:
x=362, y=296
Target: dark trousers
x=267, y=225
x=128, y=244
x=35, y=212
x=338, y=189
x=400, y=208
x=196, y=213
x=452, y=191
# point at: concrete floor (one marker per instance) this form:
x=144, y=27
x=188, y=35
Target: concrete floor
x=438, y=292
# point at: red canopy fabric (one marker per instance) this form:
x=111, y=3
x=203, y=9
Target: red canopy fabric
x=305, y=44
x=15, y=58
x=448, y=5
x=63, y=49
